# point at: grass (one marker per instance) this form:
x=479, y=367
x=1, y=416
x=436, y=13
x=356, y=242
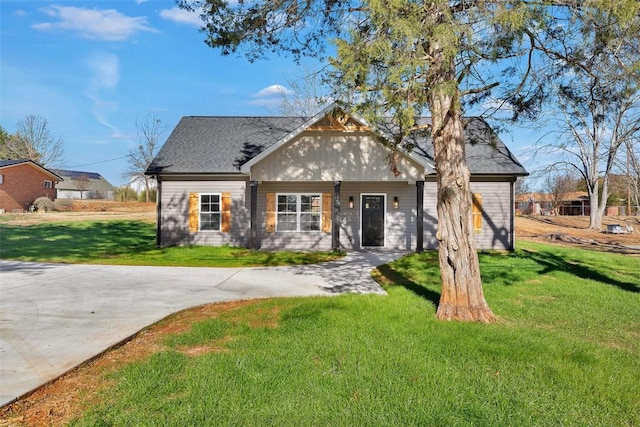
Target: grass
x=130, y=243
x=565, y=351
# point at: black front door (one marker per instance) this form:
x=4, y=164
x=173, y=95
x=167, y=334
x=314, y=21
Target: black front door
x=373, y=220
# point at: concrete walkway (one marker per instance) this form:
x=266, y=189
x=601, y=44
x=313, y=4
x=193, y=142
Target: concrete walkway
x=53, y=317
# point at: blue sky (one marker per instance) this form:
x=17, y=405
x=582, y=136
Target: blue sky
x=93, y=68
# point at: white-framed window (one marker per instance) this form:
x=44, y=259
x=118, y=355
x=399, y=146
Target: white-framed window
x=210, y=217
x=1, y=179
x=47, y=184
x=298, y=212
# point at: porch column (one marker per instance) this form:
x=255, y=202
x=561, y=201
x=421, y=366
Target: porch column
x=419, y=216
x=335, y=217
x=254, y=214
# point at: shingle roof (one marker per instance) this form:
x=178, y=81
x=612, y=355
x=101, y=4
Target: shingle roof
x=486, y=153
x=204, y=145
x=96, y=181
x=8, y=163
x=5, y=163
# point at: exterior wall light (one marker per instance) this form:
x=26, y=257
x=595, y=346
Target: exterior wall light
x=350, y=202
x=396, y=202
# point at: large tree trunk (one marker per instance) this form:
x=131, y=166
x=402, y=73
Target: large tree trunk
x=462, y=296
x=597, y=206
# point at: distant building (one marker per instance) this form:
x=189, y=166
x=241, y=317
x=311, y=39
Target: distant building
x=83, y=185
x=22, y=181
x=574, y=203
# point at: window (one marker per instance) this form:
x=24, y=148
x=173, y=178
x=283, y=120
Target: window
x=1, y=179
x=298, y=212
x=210, y=212
x=48, y=184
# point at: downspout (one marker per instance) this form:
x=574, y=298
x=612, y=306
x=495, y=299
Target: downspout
x=512, y=214
x=158, y=211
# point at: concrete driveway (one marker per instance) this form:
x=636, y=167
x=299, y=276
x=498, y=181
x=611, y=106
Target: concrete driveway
x=53, y=317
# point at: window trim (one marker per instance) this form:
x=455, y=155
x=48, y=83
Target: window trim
x=200, y=212
x=48, y=184
x=299, y=212
x=1, y=179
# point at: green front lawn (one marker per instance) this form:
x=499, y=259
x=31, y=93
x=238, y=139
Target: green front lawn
x=129, y=243
x=565, y=351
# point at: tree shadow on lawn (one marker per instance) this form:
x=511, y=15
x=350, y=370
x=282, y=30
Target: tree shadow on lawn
x=390, y=277
x=551, y=262
x=83, y=241
x=523, y=265
x=496, y=269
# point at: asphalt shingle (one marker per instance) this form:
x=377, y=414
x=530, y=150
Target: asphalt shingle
x=221, y=145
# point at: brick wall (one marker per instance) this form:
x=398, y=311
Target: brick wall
x=21, y=185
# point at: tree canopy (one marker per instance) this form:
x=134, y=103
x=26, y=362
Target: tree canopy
x=405, y=58
x=32, y=140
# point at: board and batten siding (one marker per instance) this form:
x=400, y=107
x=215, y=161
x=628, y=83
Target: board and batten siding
x=175, y=213
x=496, y=229
x=334, y=156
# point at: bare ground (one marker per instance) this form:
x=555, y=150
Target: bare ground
x=65, y=398
x=573, y=230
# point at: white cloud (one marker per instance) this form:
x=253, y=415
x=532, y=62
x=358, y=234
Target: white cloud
x=96, y=24
x=105, y=75
x=273, y=90
x=181, y=16
x=270, y=97
x=105, y=70
x=20, y=12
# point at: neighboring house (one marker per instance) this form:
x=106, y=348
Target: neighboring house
x=318, y=183
x=534, y=204
x=84, y=185
x=23, y=181
x=574, y=203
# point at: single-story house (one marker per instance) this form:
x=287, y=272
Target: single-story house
x=23, y=181
x=573, y=203
x=319, y=183
x=84, y=185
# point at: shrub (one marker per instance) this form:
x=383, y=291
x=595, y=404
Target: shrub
x=125, y=194
x=152, y=195
x=44, y=204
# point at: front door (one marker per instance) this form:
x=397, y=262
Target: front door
x=373, y=208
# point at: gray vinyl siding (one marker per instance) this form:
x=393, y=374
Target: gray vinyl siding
x=294, y=240
x=497, y=231
x=175, y=213
x=400, y=224
x=496, y=215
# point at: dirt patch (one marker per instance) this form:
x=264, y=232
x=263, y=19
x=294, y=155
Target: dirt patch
x=574, y=230
x=86, y=210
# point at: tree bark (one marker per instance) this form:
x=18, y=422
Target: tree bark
x=462, y=297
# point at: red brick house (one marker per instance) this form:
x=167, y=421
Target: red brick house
x=23, y=181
